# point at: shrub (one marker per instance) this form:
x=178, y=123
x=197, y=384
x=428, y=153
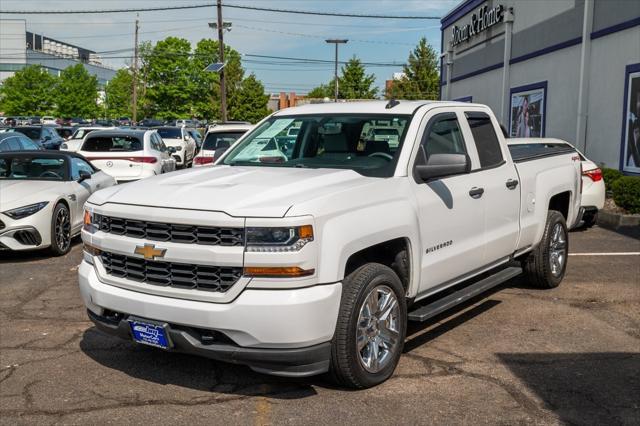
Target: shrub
x=610, y=176
x=626, y=193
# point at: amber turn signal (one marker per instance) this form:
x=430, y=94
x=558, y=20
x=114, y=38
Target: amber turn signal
x=277, y=272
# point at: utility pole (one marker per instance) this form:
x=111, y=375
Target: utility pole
x=134, y=97
x=223, y=92
x=335, y=72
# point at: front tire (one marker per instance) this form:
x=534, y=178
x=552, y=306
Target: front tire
x=545, y=266
x=371, y=327
x=60, y=230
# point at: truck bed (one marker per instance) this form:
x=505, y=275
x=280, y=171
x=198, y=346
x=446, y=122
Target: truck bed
x=533, y=149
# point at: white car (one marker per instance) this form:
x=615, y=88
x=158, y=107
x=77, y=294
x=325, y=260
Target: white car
x=316, y=262
x=74, y=143
x=593, y=189
x=180, y=139
x=128, y=155
x=47, y=119
x=219, y=136
x=42, y=198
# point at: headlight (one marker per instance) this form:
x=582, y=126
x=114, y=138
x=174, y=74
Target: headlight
x=90, y=224
x=178, y=148
x=278, y=239
x=22, y=212
x=64, y=146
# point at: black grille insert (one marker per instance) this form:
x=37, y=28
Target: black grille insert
x=2, y=225
x=175, y=233
x=167, y=274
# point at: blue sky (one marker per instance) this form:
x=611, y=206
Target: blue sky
x=253, y=32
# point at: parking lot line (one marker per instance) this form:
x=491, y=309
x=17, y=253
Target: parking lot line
x=626, y=253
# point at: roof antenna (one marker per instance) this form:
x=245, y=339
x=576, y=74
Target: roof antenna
x=392, y=103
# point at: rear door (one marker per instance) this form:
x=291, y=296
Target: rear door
x=498, y=178
x=451, y=220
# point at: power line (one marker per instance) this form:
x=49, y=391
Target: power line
x=200, y=6
x=335, y=14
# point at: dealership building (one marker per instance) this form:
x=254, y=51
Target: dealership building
x=567, y=69
x=19, y=48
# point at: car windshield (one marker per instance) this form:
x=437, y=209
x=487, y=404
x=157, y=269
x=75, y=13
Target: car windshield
x=324, y=141
x=81, y=133
x=170, y=133
x=30, y=132
x=112, y=144
x=221, y=139
x=33, y=168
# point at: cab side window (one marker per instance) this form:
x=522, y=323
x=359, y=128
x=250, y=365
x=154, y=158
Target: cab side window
x=442, y=136
x=486, y=140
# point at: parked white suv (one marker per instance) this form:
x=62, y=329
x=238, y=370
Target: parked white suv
x=74, y=143
x=312, y=262
x=128, y=155
x=218, y=137
x=180, y=139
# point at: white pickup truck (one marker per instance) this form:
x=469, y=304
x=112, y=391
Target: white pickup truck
x=314, y=260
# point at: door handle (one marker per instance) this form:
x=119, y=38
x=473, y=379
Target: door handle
x=476, y=192
x=512, y=183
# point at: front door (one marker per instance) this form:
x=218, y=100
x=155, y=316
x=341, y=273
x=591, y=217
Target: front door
x=451, y=215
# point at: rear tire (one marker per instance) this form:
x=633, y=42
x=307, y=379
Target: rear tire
x=545, y=266
x=371, y=327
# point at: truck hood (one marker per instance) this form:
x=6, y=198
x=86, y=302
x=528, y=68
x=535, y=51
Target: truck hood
x=235, y=190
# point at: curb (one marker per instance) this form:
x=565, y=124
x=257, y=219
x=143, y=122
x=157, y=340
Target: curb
x=617, y=221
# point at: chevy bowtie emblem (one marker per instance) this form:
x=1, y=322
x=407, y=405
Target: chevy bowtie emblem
x=149, y=251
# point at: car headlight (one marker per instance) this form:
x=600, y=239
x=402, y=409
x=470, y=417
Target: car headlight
x=22, y=212
x=278, y=239
x=64, y=146
x=178, y=148
x=90, y=223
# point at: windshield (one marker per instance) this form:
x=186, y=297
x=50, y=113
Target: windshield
x=170, y=133
x=30, y=132
x=33, y=168
x=81, y=133
x=341, y=141
x=221, y=139
x=112, y=144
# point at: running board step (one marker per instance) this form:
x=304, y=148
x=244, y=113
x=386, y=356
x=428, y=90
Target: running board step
x=425, y=312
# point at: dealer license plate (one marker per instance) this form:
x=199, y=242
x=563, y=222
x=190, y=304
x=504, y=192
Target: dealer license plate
x=149, y=334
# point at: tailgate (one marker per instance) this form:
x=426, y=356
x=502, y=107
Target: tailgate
x=119, y=166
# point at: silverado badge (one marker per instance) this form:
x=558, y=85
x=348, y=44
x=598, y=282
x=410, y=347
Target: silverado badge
x=149, y=251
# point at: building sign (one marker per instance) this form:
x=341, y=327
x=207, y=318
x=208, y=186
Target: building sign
x=482, y=20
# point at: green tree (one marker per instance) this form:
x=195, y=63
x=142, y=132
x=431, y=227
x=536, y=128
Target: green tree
x=250, y=101
x=30, y=91
x=421, y=79
x=322, y=91
x=169, y=79
x=119, y=94
x=77, y=93
x=354, y=83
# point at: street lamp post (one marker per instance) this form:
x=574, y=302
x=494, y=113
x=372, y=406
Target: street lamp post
x=336, y=41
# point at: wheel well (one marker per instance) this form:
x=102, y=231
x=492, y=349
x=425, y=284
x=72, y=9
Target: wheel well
x=393, y=253
x=63, y=201
x=560, y=202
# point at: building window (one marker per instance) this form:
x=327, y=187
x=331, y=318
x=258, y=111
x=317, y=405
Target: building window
x=528, y=110
x=630, y=155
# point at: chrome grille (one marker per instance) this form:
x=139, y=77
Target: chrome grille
x=168, y=274
x=2, y=225
x=175, y=233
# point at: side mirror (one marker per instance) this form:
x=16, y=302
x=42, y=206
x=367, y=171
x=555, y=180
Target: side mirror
x=47, y=138
x=441, y=165
x=219, y=151
x=185, y=137
x=84, y=175
x=171, y=149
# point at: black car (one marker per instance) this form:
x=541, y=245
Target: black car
x=47, y=137
x=65, y=132
x=16, y=141
x=151, y=122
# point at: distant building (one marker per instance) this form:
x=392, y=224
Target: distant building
x=278, y=101
x=20, y=48
x=388, y=84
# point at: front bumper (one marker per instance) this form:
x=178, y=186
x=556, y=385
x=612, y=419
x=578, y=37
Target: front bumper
x=282, y=332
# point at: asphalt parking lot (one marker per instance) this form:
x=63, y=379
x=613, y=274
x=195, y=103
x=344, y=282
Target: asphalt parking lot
x=515, y=356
